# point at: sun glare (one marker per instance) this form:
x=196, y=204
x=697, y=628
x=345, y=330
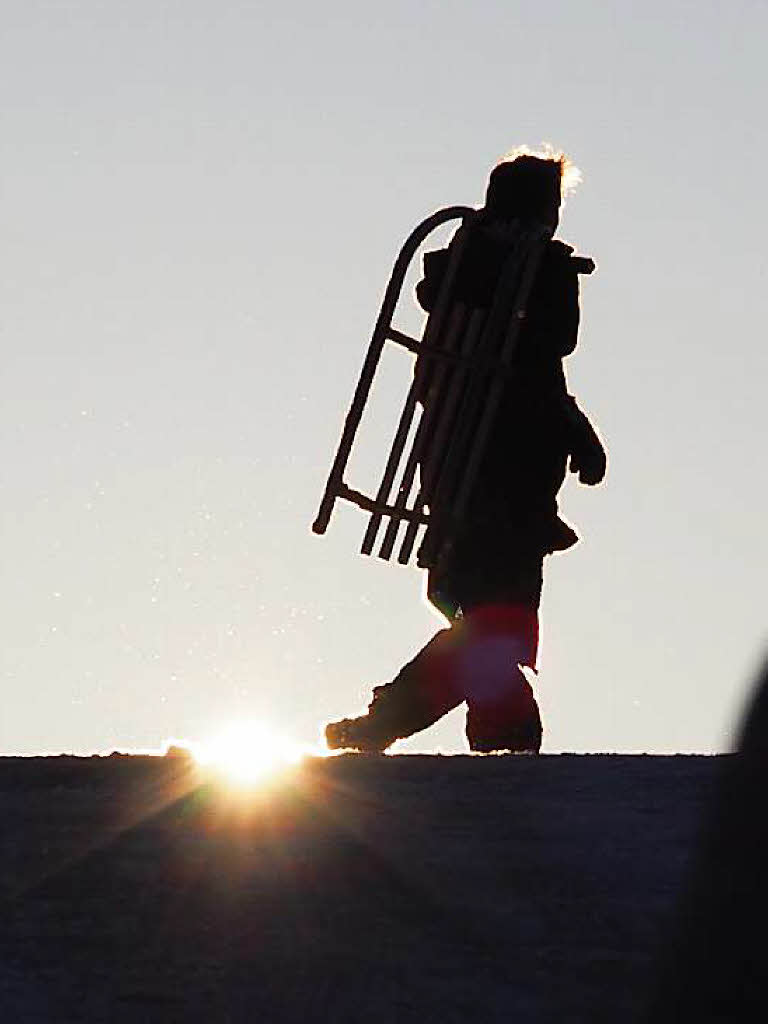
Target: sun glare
x=247, y=753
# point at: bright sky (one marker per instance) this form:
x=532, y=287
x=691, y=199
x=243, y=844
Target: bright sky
x=201, y=203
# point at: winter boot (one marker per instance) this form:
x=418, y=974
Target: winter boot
x=511, y=721
x=357, y=734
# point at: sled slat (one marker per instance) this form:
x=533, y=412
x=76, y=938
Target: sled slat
x=431, y=332
x=441, y=375
x=442, y=419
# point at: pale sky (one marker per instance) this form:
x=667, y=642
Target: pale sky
x=201, y=203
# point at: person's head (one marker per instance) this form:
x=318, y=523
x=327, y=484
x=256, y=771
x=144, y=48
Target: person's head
x=527, y=188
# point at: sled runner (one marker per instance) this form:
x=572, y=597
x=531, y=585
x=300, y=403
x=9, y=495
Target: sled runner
x=463, y=359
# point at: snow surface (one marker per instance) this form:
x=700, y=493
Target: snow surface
x=403, y=888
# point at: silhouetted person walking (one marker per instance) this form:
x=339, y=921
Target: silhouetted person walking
x=488, y=581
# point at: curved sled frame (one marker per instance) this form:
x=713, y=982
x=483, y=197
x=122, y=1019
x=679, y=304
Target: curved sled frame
x=382, y=332
x=463, y=360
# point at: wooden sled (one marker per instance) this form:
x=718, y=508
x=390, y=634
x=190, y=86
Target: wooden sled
x=463, y=359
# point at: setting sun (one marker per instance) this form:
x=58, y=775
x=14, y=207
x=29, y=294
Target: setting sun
x=247, y=752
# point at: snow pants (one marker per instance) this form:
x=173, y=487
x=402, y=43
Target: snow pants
x=476, y=660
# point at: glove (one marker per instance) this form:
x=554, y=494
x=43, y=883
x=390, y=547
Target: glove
x=590, y=463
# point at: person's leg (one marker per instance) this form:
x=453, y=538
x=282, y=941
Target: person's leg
x=422, y=692
x=502, y=713
x=508, y=720
x=476, y=660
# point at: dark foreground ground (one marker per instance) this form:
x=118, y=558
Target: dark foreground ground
x=385, y=889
